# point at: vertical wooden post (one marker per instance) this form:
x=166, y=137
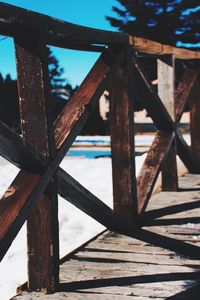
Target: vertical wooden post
x=122, y=144
x=166, y=87
x=34, y=95
x=195, y=119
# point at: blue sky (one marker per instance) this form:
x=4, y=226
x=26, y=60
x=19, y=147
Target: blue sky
x=84, y=12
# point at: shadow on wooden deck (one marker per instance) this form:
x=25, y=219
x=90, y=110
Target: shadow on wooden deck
x=161, y=260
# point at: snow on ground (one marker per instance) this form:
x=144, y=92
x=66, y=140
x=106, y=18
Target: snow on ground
x=75, y=226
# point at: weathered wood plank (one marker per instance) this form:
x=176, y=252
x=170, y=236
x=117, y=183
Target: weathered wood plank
x=184, y=91
x=178, y=205
x=14, y=148
x=192, y=182
x=169, y=170
x=145, y=93
x=166, y=81
x=166, y=86
x=55, y=31
x=118, y=247
x=85, y=270
x=122, y=144
x=135, y=290
x=152, y=47
x=78, y=296
x=155, y=259
x=34, y=95
x=12, y=207
x=76, y=112
x=151, y=167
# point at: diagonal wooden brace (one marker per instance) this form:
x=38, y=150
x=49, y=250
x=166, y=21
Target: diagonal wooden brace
x=151, y=167
x=184, y=90
x=145, y=93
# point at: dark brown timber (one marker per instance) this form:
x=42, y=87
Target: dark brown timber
x=145, y=93
x=18, y=152
x=169, y=170
x=122, y=145
x=151, y=167
x=55, y=31
x=79, y=196
x=184, y=90
x=166, y=86
x=12, y=204
x=42, y=225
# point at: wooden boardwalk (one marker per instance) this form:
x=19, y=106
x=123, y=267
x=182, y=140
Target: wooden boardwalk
x=159, y=261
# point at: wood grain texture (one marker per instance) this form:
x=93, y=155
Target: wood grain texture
x=60, y=33
x=152, y=47
x=12, y=206
x=55, y=31
x=145, y=93
x=166, y=87
x=122, y=147
x=14, y=148
x=184, y=91
x=166, y=82
x=34, y=95
x=151, y=167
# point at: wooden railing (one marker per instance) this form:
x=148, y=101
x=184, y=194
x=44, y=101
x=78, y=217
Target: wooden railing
x=32, y=196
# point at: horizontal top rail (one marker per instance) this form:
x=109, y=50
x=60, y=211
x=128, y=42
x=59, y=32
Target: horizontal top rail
x=67, y=35
x=12, y=19
x=151, y=47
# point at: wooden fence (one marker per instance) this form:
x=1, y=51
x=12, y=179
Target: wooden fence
x=32, y=196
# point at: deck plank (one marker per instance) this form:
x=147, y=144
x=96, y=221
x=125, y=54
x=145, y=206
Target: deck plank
x=121, y=267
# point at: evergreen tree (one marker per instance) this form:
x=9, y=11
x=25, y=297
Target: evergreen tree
x=159, y=20
x=9, y=112
x=9, y=108
x=60, y=90
x=188, y=33
x=55, y=71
